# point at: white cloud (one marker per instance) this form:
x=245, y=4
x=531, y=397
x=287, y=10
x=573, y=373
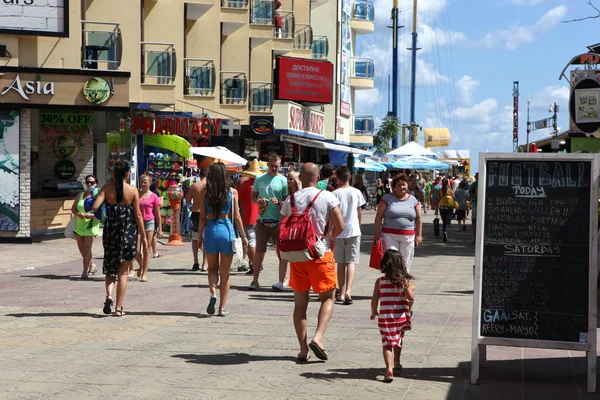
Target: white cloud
x=527, y=2
x=466, y=86
x=480, y=112
x=430, y=37
x=517, y=35
x=550, y=94
x=368, y=98
x=428, y=75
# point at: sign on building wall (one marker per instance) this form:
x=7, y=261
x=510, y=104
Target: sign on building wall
x=299, y=79
x=346, y=54
x=9, y=170
x=35, y=17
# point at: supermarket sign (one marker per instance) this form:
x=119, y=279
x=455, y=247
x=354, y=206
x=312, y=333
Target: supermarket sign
x=181, y=126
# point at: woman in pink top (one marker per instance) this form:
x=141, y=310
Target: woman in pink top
x=150, y=208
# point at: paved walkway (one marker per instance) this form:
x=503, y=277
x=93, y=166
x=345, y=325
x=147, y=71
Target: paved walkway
x=56, y=344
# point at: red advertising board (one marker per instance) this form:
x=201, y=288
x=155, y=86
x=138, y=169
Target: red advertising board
x=304, y=80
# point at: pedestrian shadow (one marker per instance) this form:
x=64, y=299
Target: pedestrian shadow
x=262, y=297
x=91, y=278
x=229, y=358
x=231, y=287
x=463, y=292
x=92, y=315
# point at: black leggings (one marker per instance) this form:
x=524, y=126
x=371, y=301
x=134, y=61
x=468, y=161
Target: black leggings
x=446, y=214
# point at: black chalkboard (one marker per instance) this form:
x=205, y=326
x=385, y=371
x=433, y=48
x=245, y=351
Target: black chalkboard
x=535, y=269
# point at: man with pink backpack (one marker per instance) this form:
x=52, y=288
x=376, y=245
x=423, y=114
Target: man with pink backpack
x=308, y=216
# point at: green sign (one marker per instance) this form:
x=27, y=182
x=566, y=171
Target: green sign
x=65, y=147
x=96, y=90
x=64, y=169
x=51, y=118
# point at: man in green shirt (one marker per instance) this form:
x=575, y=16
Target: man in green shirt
x=269, y=192
x=327, y=172
x=473, y=193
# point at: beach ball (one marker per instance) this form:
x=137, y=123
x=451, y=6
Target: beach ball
x=167, y=157
x=152, y=164
x=176, y=166
x=152, y=156
x=159, y=156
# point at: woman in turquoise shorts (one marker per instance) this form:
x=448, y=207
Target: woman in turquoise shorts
x=87, y=227
x=218, y=208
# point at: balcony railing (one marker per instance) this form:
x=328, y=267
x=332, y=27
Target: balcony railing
x=233, y=88
x=200, y=77
x=363, y=125
x=101, y=47
x=262, y=12
x=303, y=37
x=364, y=11
x=363, y=68
x=320, y=47
x=284, y=24
x=261, y=96
x=158, y=63
x=234, y=3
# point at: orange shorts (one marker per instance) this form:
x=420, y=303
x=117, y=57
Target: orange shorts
x=320, y=275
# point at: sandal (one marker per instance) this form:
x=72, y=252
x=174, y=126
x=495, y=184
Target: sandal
x=119, y=313
x=157, y=255
x=211, y=305
x=223, y=313
x=397, y=369
x=107, y=305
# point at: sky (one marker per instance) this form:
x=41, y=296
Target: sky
x=472, y=51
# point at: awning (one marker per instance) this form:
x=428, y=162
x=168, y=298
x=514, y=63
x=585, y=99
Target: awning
x=326, y=145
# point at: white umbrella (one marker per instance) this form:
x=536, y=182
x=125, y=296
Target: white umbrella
x=219, y=153
x=411, y=149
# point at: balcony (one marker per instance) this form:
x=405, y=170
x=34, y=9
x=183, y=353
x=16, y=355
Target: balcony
x=101, y=47
x=261, y=97
x=320, y=47
x=234, y=15
x=363, y=74
x=199, y=77
x=236, y=4
x=363, y=125
x=233, y=88
x=363, y=17
x=303, y=37
x=158, y=63
x=284, y=26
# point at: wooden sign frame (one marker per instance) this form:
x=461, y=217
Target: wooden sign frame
x=479, y=343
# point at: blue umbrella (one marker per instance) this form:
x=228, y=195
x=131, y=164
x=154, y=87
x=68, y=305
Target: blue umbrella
x=369, y=165
x=419, y=163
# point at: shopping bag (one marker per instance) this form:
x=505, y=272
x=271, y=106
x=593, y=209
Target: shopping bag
x=436, y=227
x=69, y=234
x=376, y=255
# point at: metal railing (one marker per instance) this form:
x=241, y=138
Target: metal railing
x=261, y=12
x=284, y=24
x=364, y=10
x=234, y=3
x=303, y=37
x=364, y=125
x=200, y=77
x=320, y=46
x=101, y=47
x=158, y=63
x=363, y=68
x=234, y=88
x=261, y=96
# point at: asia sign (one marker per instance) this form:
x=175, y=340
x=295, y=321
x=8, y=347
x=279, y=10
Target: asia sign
x=35, y=17
x=299, y=79
x=192, y=128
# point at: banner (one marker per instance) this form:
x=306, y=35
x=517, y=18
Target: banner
x=346, y=52
x=9, y=170
x=436, y=137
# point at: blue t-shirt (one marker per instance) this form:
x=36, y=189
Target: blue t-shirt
x=267, y=187
x=461, y=196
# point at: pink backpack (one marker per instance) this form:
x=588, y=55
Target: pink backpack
x=298, y=241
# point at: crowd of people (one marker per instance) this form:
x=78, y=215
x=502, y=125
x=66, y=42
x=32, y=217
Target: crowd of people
x=267, y=209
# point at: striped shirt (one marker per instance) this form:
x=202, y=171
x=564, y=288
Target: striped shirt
x=394, y=313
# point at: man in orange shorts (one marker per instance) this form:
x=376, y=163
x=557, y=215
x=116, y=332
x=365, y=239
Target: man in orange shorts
x=318, y=274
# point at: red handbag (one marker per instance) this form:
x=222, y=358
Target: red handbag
x=376, y=255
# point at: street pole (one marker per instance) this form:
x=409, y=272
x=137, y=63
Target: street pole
x=413, y=85
x=395, y=28
x=528, y=125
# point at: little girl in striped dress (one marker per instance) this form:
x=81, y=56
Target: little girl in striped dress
x=394, y=294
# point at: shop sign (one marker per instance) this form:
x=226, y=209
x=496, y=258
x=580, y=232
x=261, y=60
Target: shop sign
x=97, y=90
x=64, y=169
x=28, y=88
x=51, y=118
x=35, y=17
x=192, y=128
x=306, y=120
x=65, y=147
x=304, y=80
x=342, y=126
x=262, y=125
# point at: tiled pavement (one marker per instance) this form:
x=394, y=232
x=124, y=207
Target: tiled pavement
x=55, y=343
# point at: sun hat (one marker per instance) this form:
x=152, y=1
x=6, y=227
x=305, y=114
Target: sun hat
x=253, y=170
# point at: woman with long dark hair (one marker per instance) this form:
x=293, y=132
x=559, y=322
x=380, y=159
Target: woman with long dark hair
x=446, y=197
x=218, y=208
x=87, y=227
x=121, y=226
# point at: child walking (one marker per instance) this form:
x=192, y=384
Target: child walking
x=394, y=294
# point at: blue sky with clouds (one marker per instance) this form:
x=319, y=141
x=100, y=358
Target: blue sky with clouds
x=473, y=50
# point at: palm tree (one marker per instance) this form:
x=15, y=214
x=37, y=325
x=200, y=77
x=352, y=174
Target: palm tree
x=388, y=130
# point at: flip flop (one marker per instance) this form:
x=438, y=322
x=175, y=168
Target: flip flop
x=223, y=313
x=107, y=304
x=303, y=359
x=320, y=352
x=397, y=369
x=348, y=301
x=211, y=305
x=388, y=379
x=157, y=255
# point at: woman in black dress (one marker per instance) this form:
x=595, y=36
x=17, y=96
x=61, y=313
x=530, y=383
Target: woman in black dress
x=119, y=238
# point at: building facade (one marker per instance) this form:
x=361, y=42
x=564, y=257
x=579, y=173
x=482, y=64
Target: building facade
x=76, y=76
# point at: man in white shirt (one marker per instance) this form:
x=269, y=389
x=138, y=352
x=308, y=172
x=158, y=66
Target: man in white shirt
x=318, y=274
x=347, y=244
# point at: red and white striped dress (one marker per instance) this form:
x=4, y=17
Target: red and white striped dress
x=394, y=313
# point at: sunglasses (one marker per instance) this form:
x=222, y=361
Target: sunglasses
x=91, y=183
